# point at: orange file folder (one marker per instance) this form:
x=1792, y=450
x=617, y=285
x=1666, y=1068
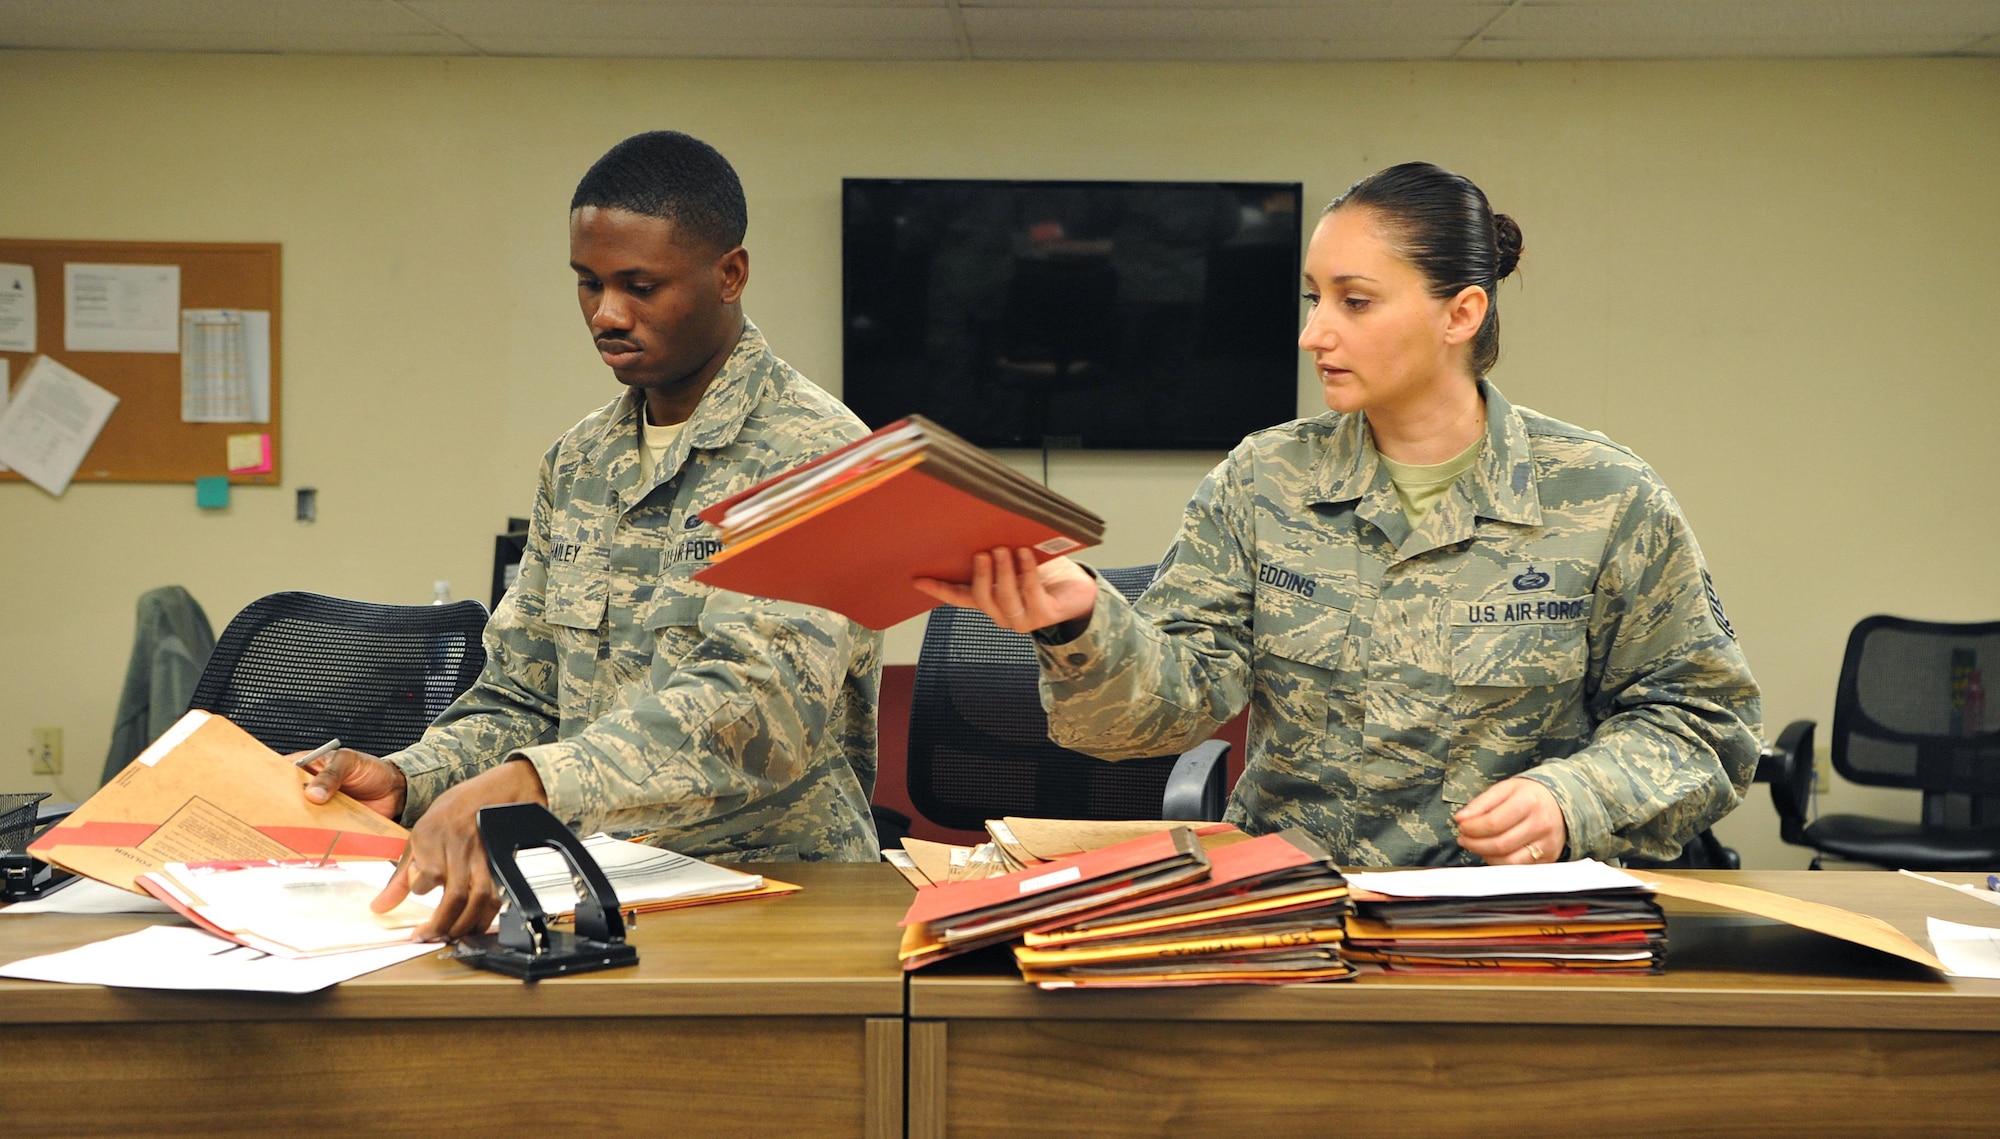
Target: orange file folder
x=207, y=791
x=848, y=531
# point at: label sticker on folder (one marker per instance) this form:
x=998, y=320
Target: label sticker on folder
x=1059, y=545
x=1069, y=874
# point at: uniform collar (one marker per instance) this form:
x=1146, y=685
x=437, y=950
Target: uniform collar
x=1501, y=485
x=716, y=422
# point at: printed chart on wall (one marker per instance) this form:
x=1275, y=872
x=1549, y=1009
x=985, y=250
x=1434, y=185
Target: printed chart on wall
x=138, y=362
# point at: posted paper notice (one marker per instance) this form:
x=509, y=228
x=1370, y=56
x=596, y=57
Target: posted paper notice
x=225, y=366
x=51, y=422
x=121, y=308
x=17, y=308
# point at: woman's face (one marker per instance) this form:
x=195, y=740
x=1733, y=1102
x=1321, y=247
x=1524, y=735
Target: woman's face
x=1378, y=338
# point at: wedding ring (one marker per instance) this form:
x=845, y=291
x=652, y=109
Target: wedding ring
x=1534, y=853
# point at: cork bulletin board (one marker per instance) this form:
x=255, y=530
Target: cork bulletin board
x=146, y=440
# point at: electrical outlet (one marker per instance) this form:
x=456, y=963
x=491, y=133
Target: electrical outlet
x=46, y=748
x=1821, y=784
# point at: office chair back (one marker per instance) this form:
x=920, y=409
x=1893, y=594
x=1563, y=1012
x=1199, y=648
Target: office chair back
x=1898, y=720
x=297, y=669
x=979, y=744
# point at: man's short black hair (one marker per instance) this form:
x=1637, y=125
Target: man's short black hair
x=673, y=176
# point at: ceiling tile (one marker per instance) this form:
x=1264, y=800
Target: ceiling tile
x=494, y=23
x=1749, y=20
x=1241, y=25
x=1022, y=29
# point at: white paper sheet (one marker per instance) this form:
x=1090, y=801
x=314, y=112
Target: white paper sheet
x=51, y=422
x=17, y=308
x=1966, y=950
x=225, y=366
x=1988, y=896
x=177, y=957
x=638, y=874
x=1497, y=881
x=121, y=308
x=295, y=909
x=89, y=896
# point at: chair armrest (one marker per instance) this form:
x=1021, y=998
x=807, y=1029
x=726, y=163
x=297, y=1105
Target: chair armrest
x=1771, y=762
x=1787, y=766
x=1194, y=789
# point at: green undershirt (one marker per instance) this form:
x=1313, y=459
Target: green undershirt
x=1420, y=487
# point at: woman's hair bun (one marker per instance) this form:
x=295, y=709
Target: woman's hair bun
x=1507, y=246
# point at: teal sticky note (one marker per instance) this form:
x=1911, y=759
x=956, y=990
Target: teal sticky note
x=212, y=493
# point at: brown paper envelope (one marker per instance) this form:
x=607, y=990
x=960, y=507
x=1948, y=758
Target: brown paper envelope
x=207, y=791
x=1050, y=839
x=1861, y=929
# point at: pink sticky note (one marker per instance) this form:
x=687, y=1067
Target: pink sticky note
x=249, y=454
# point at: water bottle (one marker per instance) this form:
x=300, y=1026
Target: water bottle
x=1973, y=719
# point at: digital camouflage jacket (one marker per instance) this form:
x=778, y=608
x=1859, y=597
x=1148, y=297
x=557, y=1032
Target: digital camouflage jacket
x=1551, y=617
x=729, y=727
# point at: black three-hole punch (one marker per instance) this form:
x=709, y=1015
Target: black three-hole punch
x=526, y=947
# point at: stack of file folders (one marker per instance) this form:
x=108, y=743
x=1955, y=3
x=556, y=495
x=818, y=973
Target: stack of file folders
x=1579, y=921
x=1150, y=911
x=849, y=530
x=1269, y=912
x=945, y=921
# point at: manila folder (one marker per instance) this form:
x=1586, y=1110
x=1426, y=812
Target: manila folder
x=207, y=791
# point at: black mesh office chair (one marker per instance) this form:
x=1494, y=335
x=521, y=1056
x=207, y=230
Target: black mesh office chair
x=979, y=741
x=297, y=669
x=1900, y=719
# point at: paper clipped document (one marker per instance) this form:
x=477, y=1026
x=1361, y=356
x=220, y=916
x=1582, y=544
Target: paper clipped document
x=50, y=423
x=207, y=791
x=177, y=957
x=121, y=308
x=17, y=308
x=1966, y=950
x=225, y=366
x=291, y=908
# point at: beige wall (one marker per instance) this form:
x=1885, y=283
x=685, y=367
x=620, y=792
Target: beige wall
x=1772, y=280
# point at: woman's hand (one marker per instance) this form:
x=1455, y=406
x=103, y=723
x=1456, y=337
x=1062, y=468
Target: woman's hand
x=1017, y=594
x=1515, y=821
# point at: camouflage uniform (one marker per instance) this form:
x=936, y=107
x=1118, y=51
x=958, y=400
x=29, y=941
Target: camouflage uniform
x=1551, y=617
x=735, y=728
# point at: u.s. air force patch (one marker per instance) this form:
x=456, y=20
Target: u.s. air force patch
x=1715, y=604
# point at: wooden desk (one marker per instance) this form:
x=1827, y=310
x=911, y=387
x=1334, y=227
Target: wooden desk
x=1755, y=1029
x=780, y=1016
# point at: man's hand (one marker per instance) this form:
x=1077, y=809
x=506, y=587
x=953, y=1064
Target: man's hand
x=445, y=850
x=377, y=785
x=1515, y=822
x=1017, y=594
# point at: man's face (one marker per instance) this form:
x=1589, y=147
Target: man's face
x=659, y=304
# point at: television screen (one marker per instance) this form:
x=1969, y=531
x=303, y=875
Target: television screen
x=1073, y=314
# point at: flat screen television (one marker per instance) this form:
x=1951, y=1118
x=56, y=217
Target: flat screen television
x=1072, y=314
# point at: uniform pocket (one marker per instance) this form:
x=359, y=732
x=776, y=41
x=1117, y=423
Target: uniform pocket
x=576, y=598
x=1518, y=656
x=1299, y=648
x=675, y=623
x=1515, y=685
